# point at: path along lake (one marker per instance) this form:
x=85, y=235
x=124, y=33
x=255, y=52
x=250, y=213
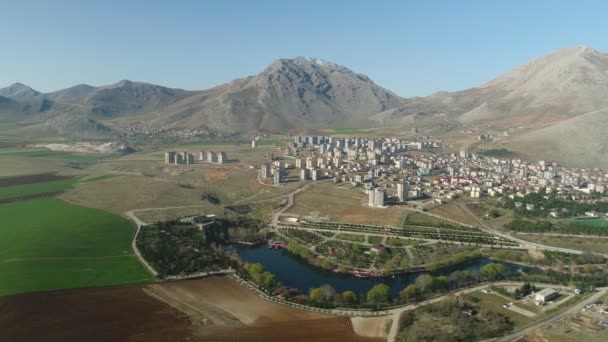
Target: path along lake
x=294, y=272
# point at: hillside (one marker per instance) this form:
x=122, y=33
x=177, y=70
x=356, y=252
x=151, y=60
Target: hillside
x=581, y=141
x=551, y=88
x=300, y=93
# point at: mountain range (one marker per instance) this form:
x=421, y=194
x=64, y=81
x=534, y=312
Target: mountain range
x=561, y=93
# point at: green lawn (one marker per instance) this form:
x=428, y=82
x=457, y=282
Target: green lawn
x=50, y=244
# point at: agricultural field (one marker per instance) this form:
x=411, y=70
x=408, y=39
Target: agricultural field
x=22, y=190
x=49, y=244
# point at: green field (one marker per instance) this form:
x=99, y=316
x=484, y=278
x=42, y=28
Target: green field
x=82, y=157
x=36, y=188
x=591, y=223
x=49, y=244
x=7, y=126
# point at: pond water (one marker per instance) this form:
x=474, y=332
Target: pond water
x=294, y=272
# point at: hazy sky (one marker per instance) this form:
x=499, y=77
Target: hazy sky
x=410, y=47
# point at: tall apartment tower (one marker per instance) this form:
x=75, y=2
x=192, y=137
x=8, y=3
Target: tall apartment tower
x=221, y=157
x=371, y=197
x=169, y=157
x=179, y=159
x=379, y=197
x=315, y=174
x=402, y=191
x=211, y=157
x=265, y=171
x=277, y=177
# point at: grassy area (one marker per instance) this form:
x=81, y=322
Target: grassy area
x=352, y=131
x=340, y=204
x=36, y=188
x=351, y=237
x=498, y=152
x=593, y=245
x=374, y=239
x=49, y=244
x=419, y=219
x=7, y=126
x=494, y=302
x=397, y=242
x=601, y=224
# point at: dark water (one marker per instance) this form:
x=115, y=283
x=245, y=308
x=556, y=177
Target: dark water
x=294, y=272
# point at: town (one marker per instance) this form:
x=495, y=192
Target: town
x=393, y=170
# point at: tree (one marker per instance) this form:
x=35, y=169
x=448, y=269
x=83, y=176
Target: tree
x=379, y=294
x=328, y=292
x=493, y=271
x=423, y=281
x=268, y=279
x=410, y=292
x=349, y=297
x=315, y=295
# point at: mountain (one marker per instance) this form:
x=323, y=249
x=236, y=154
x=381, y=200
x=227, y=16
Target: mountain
x=18, y=92
x=120, y=99
x=299, y=93
x=549, y=89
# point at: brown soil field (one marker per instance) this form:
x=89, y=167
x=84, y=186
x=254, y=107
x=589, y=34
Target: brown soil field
x=265, y=321
x=210, y=309
x=124, y=313
x=47, y=177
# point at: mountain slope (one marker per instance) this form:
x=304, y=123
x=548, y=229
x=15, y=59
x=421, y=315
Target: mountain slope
x=294, y=93
x=581, y=141
x=120, y=99
x=551, y=88
x=19, y=92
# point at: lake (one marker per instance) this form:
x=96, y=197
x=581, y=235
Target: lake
x=295, y=272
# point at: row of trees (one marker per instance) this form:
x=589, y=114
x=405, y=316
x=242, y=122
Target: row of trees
x=424, y=284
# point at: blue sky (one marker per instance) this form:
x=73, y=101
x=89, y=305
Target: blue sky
x=413, y=48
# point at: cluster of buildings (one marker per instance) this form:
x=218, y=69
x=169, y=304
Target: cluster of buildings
x=177, y=158
x=186, y=158
x=402, y=170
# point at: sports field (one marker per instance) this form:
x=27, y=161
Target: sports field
x=48, y=244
